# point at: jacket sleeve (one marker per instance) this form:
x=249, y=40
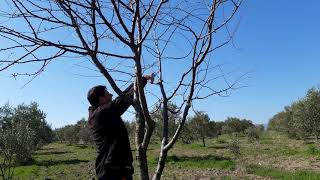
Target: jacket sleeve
x=119, y=105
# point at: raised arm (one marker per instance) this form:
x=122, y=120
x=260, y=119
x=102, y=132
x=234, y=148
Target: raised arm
x=120, y=105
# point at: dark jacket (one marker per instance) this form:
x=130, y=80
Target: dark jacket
x=111, y=137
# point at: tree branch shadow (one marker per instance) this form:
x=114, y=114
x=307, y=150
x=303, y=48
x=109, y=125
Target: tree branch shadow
x=223, y=146
x=175, y=158
x=52, y=152
x=48, y=163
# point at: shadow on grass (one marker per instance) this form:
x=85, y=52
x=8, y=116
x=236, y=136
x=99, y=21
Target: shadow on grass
x=175, y=158
x=218, y=146
x=48, y=163
x=135, y=149
x=47, y=148
x=52, y=152
x=82, y=146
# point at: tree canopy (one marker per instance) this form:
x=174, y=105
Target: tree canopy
x=301, y=119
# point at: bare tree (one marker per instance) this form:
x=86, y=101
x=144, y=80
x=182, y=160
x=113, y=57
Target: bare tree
x=145, y=36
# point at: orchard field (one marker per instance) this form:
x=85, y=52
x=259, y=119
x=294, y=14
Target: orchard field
x=273, y=156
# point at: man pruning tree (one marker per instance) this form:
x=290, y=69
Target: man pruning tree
x=114, y=160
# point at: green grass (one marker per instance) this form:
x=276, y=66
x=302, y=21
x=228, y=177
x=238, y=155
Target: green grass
x=289, y=152
x=313, y=150
x=203, y=162
x=189, y=161
x=226, y=178
x=195, y=146
x=26, y=170
x=281, y=174
x=59, y=161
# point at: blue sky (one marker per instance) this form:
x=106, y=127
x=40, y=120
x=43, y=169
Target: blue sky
x=277, y=41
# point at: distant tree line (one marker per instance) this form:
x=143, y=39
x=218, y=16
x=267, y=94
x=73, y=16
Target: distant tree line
x=78, y=133
x=197, y=127
x=200, y=127
x=301, y=119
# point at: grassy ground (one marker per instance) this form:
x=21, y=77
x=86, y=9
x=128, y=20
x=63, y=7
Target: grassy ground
x=273, y=157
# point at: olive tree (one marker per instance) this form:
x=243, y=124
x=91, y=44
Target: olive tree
x=200, y=125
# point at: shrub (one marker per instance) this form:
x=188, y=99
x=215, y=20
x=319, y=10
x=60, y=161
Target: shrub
x=234, y=147
x=253, y=134
x=24, y=143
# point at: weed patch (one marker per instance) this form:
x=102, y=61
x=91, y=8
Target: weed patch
x=281, y=174
x=202, y=162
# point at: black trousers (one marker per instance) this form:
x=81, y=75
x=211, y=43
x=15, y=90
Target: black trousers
x=117, y=173
x=115, y=177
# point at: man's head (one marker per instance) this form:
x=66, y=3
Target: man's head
x=98, y=96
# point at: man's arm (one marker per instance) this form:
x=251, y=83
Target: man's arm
x=120, y=105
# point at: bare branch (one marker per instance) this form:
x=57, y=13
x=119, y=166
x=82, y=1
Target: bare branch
x=152, y=21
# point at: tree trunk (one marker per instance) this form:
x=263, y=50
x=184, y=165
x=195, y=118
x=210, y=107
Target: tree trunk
x=141, y=155
x=204, y=143
x=143, y=163
x=161, y=164
x=144, y=127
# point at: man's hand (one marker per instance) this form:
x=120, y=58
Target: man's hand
x=150, y=77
